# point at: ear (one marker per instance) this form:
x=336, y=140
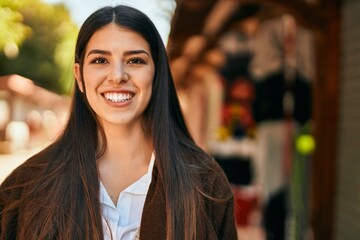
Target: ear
x=77, y=75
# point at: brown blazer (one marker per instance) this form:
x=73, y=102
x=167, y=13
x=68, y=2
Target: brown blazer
x=153, y=223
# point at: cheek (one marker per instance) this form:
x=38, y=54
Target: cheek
x=92, y=79
x=147, y=89
x=90, y=86
x=148, y=84
x=148, y=92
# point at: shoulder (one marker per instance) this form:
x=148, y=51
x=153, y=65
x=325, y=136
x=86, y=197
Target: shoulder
x=12, y=192
x=213, y=180
x=16, y=187
x=218, y=201
x=22, y=176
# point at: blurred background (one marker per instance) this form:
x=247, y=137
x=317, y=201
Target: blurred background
x=269, y=88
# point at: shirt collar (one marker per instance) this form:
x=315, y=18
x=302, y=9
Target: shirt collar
x=140, y=187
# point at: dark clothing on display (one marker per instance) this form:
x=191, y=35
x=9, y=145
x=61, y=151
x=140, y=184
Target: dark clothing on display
x=269, y=92
x=275, y=214
x=239, y=170
x=236, y=66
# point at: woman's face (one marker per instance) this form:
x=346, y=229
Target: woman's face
x=118, y=72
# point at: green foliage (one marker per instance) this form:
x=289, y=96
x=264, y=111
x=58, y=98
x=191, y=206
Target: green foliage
x=46, y=55
x=13, y=31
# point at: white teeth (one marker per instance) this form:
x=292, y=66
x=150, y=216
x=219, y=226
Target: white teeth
x=118, y=97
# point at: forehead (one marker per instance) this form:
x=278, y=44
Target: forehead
x=114, y=36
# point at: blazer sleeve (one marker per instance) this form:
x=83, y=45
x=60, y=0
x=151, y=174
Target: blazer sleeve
x=222, y=208
x=8, y=217
x=228, y=227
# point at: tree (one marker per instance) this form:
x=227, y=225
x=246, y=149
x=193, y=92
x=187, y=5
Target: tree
x=46, y=55
x=12, y=29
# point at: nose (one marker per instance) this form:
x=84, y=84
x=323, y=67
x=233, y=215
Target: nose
x=118, y=74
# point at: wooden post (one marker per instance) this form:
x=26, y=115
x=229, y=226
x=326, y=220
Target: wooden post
x=326, y=111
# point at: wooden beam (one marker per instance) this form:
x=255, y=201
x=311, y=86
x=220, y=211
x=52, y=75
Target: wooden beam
x=218, y=16
x=310, y=16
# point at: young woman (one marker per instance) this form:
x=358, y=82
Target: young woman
x=125, y=166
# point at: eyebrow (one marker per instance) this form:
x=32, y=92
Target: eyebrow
x=105, y=52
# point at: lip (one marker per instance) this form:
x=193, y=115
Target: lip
x=118, y=101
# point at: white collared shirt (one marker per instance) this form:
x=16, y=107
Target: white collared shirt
x=123, y=220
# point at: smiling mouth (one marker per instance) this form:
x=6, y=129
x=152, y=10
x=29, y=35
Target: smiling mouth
x=118, y=97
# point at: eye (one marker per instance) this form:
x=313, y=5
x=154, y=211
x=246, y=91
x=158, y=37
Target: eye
x=136, y=61
x=99, y=60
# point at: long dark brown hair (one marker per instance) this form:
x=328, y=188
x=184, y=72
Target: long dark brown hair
x=55, y=194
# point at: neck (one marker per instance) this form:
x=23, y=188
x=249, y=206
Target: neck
x=126, y=146
x=126, y=158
